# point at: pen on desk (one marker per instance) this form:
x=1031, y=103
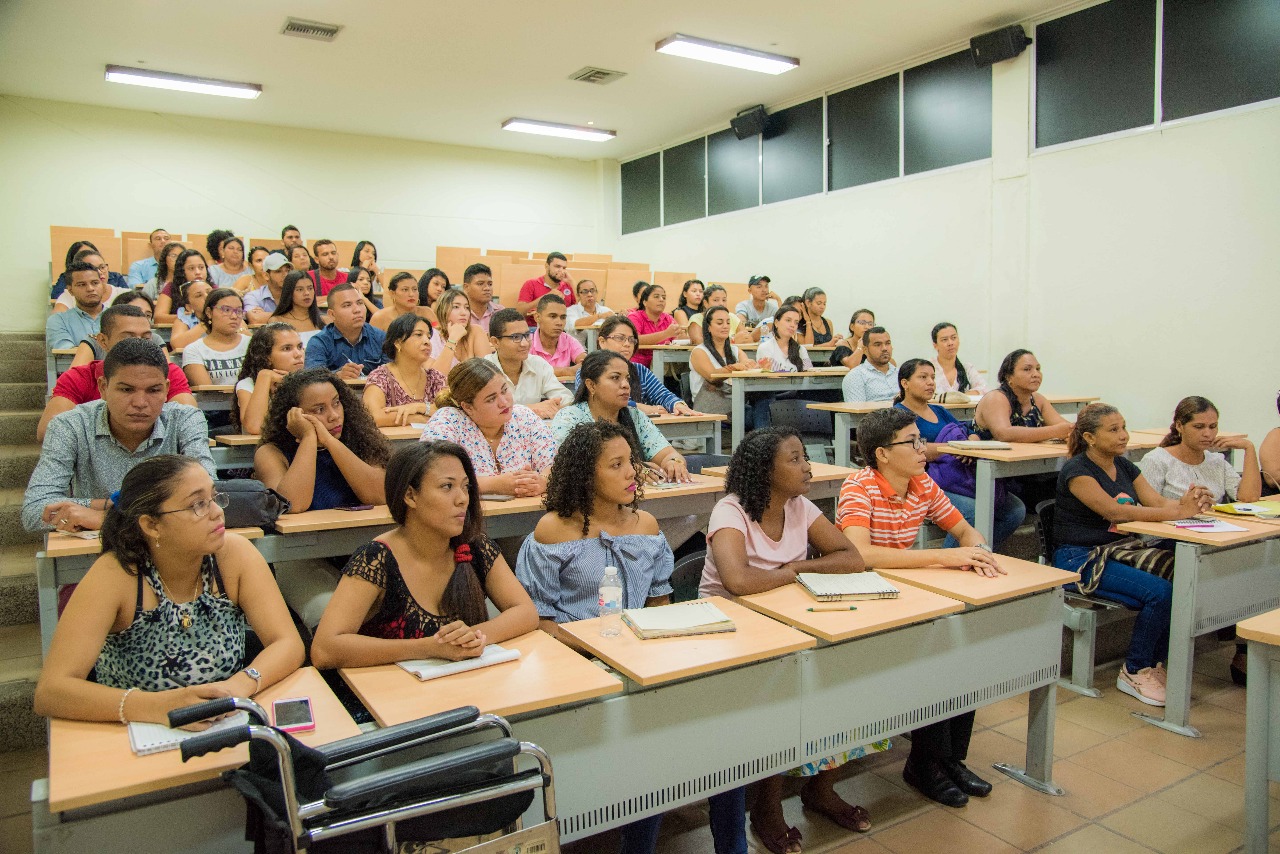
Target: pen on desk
x=833, y=608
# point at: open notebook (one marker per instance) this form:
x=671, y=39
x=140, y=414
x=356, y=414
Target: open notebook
x=147, y=738
x=673, y=621
x=847, y=587
x=434, y=668
x=1261, y=509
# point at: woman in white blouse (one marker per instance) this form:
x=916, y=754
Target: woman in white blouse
x=949, y=372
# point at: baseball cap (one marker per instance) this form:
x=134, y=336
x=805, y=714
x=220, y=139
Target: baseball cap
x=274, y=262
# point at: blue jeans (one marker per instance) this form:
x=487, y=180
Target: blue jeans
x=1010, y=511
x=1150, y=596
x=728, y=826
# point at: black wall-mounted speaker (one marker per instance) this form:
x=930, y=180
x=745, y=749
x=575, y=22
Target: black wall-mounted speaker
x=998, y=46
x=750, y=122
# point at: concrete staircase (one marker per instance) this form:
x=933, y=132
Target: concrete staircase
x=22, y=394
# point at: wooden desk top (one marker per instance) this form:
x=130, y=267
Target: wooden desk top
x=1023, y=451
x=652, y=662
x=702, y=485
x=790, y=603
x=213, y=389
x=1023, y=577
x=820, y=372
x=864, y=407
x=80, y=752
x=331, y=520
x=686, y=419
x=393, y=434
x=822, y=472
x=66, y=545
x=1255, y=529
x=1264, y=628
x=1065, y=398
x=547, y=674
x=1161, y=433
x=63, y=351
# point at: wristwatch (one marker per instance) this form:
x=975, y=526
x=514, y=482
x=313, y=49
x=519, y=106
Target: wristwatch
x=254, y=674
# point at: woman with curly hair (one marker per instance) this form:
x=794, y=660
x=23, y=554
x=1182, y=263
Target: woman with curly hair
x=275, y=351
x=164, y=269
x=760, y=537
x=418, y=591
x=297, y=306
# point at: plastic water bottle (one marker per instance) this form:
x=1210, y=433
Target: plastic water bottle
x=610, y=603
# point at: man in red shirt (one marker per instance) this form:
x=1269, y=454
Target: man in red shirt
x=327, y=276
x=555, y=281
x=80, y=384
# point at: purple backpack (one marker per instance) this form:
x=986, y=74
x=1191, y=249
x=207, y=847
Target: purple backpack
x=956, y=474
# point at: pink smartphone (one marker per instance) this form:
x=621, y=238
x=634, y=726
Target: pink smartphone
x=293, y=715
x=355, y=507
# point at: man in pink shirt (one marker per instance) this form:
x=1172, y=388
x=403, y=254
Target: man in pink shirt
x=555, y=281
x=561, y=350
x=327, y=276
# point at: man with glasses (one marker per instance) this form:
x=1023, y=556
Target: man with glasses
x=880, y=510
x=88, y=450
x=587, y=310
x=112, y=284
x=875, y=379
x=533, y=381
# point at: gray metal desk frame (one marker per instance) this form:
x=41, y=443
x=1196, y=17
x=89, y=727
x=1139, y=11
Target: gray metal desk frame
x=1261, y=751
x=744, y=383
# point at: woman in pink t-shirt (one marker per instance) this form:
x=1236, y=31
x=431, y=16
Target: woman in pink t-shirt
x=653, y=323
x=759, y=538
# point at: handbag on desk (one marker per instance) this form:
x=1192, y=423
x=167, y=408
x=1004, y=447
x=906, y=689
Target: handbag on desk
x=251, y=504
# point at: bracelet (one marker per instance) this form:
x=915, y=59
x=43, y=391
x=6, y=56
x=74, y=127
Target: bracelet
x=123, y=697
x=986, y=548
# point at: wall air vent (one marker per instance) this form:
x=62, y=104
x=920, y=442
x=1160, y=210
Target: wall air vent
x=596, y=76
x=314, y=30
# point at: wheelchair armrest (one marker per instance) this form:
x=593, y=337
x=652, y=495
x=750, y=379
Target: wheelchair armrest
x=420, y=776
x=389, y=737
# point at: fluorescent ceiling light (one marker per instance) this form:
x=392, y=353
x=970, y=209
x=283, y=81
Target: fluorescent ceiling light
x=726, y=54
x=553, y=129
x=181, y=82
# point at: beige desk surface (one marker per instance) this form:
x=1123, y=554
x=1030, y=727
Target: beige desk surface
x=1264, y=628
x=90, y=763
x=214, y=389
x=547, y=674
x=1161, y=433
x=1022, y=577
x=702, y=485
x=1255, y=529
x=64, y=545
x=790, y=604
x=863, y=407
x=1023, y=451
x=63, y=351
x=822, y=472
x=1063, y=398
x=652, y=662
x=686, y=419
x=833, y=372
x=393, y=434
x=331, y=520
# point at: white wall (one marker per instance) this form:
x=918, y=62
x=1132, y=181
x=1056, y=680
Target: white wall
x=71, y=164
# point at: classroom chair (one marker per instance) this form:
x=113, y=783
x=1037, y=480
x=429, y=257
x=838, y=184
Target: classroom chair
x=816, y=427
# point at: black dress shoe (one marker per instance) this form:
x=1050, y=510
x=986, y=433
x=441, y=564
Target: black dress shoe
x=965, y=780
x=934, y=784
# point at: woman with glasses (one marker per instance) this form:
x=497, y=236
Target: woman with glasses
x=648, y=394
x=216, y=358
x=587, y=311
x=405, y=386
x=159, y=621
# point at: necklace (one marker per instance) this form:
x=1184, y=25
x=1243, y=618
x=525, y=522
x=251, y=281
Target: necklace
x=184, y=610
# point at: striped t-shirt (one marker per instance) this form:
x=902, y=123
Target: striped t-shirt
x=868, y=501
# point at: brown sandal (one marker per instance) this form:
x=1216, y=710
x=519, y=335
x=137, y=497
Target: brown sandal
x=853, y=818
x=785, y=842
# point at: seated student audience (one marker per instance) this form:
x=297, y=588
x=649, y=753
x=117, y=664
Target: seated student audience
x=554, y=281
x=456, y=336
x=533, y=380
x=164, y=270
x=261, y=302
x=419, y=590
x=144, y=269
x=431, y=285
x=60, y=284
x=298, y=306
x=604, y=394
x=635, y=292
x=348, y=346
x=326, y=275
x=713, y=296
x=110, y=289
x=510, y=447
x=1098, y=488
x=653, y=324
x=950, y=373
x=228, y=272
x=365, y=257
x=216, y=358
x=880, y=510
x=758, y=308
x=760, y=537
x=1269, y=457
x=587, y=310
x=160, y=620
x=80, y=383
x=561, y=350
x=92, y=348
x=715, y=354
x=691, y=302
x=66, y=329
x=186, y=326
x=275, y=351
x=255, y=277
x=402, y=299
x=874, y=379
x=362, y=280
x=189, y=266
x=618, y=335
x=954, y=474
x=87, y=449
x=300, y=257
x=850, y=352
x=477, y=284
x=593, y=520
x=408, y=382
x=814, y=327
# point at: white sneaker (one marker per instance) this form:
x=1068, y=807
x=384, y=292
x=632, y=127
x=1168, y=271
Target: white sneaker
x=1144, y=686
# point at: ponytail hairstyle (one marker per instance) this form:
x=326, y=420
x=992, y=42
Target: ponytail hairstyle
x=905, y=373
x=467, y=379
x=728, y=357
x=1186, y=410
x=571, y=486
x=793, y=346
x=1007, y=367
x=593, y=367
x=146, y=487
x=962, y=376
x=1087, y=421
x=463, y=597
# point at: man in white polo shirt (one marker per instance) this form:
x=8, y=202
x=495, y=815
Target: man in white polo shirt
x=533, y=381
x=260, y=303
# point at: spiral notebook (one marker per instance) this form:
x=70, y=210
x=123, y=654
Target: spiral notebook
x=434, y=668
x=147, y=738
x=846, y=587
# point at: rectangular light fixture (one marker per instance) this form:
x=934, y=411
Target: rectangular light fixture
x=553, y=129
x=181, y=82
x=726, y=54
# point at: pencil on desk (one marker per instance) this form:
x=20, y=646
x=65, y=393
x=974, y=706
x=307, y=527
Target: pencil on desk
x=833, y=608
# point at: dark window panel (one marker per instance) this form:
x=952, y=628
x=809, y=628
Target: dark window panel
x=946, y=108
x=683, y=188
x=733, y=172
x=862, y=124
x=792, y=153
x=1219, y=54
x=641, y=203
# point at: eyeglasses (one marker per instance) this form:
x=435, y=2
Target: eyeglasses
x=228, y=310
x=516, y=338
x=102, y=268
x=623, y=339
x=918, y=443
x=201, y=508
x=582, y=292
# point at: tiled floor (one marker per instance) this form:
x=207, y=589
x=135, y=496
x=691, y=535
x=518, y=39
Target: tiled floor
x=1130, y=787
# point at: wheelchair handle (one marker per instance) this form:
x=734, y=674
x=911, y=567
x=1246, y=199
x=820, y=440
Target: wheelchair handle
x=216, y=708
x=212, y=742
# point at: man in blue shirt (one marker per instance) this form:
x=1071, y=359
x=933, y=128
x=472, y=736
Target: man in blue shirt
x=141, y=272
x=68, y=328
x=348, y=346
x=877, y=377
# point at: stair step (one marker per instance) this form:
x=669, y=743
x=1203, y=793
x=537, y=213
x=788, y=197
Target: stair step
x=11, y=530
x=18, y=562
x=18, y=599
x=20, y=653
x=20, y=396
x=30, y=370
x=19, y=427
x=17, y=461
x=20, y=662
